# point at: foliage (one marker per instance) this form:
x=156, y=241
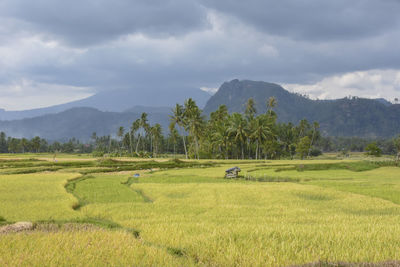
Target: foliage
x=303, y=146
x=346, y=117
x=372, y=149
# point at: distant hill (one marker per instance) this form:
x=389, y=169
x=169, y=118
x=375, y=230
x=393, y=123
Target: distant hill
x=341, y=117
x=79, y=123
x=119, y=101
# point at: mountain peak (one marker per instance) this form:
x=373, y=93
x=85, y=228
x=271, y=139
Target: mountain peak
x=341, y=117
x=234, y=95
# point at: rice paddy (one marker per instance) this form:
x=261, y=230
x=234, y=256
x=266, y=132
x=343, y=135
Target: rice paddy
x=90, y=212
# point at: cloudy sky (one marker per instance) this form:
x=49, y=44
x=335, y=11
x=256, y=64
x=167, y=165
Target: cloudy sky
x=56, y=51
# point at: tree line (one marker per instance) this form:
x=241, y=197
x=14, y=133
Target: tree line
x=39, y=145
x=248, y=135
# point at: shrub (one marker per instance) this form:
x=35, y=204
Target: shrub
x=315, y=152
x=372, y=149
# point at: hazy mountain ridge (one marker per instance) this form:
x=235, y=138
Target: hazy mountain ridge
x=77, y=122
x=341, y=117
x=118, y=101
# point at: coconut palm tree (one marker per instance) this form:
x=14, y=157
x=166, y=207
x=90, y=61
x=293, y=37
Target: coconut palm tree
x=194, y=122
x=271, y=103
x=315, y=129
x=250, y=110
x=238, y=129
x=221, y=139
x=134, y=128
x=156, y=135
x=173, y=136
x=120, y=134
x=261, y=130
x=178, y=119
x=144, y=125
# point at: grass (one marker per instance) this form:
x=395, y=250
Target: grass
x=93, y=247
x=36, y=196
x=103, y=188
x=184, y=213
x=262, y=224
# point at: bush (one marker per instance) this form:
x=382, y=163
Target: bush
x=372, y=149
x=315, y=152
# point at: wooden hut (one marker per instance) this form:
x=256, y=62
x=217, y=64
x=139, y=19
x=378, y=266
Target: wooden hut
x=232, y=172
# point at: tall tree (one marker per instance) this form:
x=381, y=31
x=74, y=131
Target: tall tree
x=314, y=134
x=36, y=144
x=3, y=143
x=261, y=131
x=156, y=132
x=271, y=103
x=250, y=110
x=193, y=122
x=134, y=128
x=178, y=118
x=173, y=136
x=238, y=129
x=397, y=146
x=303, y=146
x=144, y=125
x=120, y=134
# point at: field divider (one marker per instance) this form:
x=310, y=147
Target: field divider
x=70, y=186
x=132, y=180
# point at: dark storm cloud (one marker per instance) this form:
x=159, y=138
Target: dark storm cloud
x=315, y=19
x=104, y=45
x=90, y=21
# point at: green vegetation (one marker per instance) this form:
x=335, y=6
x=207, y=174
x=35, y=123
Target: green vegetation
x=184, y=213
x=222, y=135
x=372, y=149
x=350, y=116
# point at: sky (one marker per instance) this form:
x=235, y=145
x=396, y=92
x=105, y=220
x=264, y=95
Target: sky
x=56, y=51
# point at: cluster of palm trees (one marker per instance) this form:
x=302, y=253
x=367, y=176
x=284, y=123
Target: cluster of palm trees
x=141, y=139
x=249, y=135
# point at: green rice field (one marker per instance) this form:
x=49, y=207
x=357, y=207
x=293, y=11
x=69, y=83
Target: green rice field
x=95, y=212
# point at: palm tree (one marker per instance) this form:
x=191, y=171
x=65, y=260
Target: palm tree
x=250, y=113
x=286, y=136
x=173, y=136
x=156, y=132
x=261, y=131
x=250, y=109
x=194, y=122
x=120, y=134
x=178, y=119
x=134, y=128
x=220, y=138
x=142, y=123
x=315, y=128
x=238, y=129
x=396, y=143
x=271, y=103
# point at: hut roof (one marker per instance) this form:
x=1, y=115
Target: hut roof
x=233, y=169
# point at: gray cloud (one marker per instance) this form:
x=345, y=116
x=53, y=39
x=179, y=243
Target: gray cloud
x=315, y=19
x=88, y=22
x=159, y=44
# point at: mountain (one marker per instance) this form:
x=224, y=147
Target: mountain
x=79, y=123
x=341, y=117
x=118, y=101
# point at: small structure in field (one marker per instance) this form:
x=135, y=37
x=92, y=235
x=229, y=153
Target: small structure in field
x=232, y=172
